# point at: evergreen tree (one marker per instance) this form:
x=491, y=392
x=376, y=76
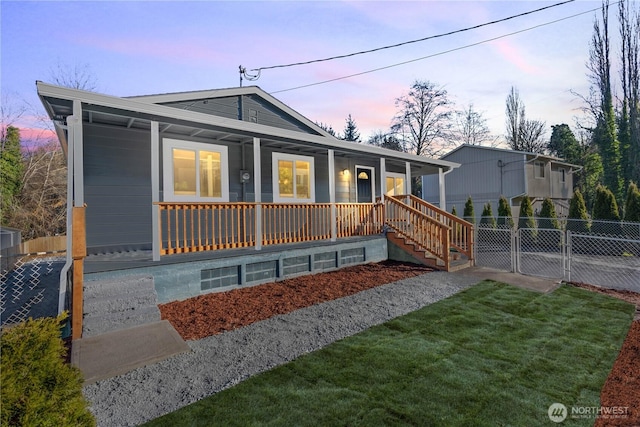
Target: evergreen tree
x=526, y=219
x=487, y=218
x=351, y=130
x=505, y=218
x=468, y=213
x=548, y=217
x=605, y=206
x=605, y=209
x=563, y=144
x=632, y=204
x=453, y=211
x=11, y=171
x=578, y=220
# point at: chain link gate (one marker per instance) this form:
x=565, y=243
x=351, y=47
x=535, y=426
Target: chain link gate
x=541, y=252
x=603, y=260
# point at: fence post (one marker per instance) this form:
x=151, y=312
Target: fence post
x=569, y=253
x=78, y=252
x=515, y=253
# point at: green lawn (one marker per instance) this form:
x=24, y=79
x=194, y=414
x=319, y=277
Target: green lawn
x=491, y=355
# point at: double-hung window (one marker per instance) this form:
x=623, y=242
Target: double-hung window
x=395, y=184
x=194, y=171
x=293, y=179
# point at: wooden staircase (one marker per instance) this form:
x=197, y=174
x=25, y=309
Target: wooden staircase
x=427, y=234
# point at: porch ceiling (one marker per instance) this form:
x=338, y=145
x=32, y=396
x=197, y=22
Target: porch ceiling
x=105, y=114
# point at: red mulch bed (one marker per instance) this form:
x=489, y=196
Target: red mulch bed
x=215, y=313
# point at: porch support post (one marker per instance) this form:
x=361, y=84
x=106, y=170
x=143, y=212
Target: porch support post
x=443, y=199
x=257, y=190
x=78, y=247
x=155, y=190
x=407, y=179
x=383, y=179
x=332, y=193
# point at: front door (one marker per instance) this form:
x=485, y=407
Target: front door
x=364, y=181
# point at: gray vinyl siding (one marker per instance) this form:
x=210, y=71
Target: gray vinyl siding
x=254, y=109
x=480, y=177
x=117, y=188
x=269, y=115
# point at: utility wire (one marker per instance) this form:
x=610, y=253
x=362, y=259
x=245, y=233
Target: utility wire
x=437, y=54
x=413, y=41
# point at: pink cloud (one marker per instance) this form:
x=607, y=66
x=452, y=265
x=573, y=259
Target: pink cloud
x=516, y=56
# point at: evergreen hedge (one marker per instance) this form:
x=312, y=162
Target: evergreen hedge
x=468, y=213
x=605, y=206
x=38, y=387
x=504, y=212
x=632, y=203
x=578, y=220
x=547, y=217
x=487, y=216
x=526, y=214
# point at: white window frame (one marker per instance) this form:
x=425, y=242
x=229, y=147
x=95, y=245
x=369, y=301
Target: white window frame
x=395, y=175
x=168, y=145
x=542, y=168
x=276, y=157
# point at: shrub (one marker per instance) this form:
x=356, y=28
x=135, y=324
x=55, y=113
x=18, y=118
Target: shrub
x=505, y=218
x=578, y=220
x=526, y=214
x=632, y=203
x=548, y=217
x=453, y=211
x=468, y=214
x=487, y=218
x=605, y=206
x=38, y=387
x=606, y=214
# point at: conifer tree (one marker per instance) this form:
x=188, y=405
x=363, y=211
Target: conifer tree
x=548, y=217
x=468, y=213
x=578, y=220
x=487, y=218
x=632, y=203
x=11, y=171
x=505, y=218
x=605, y=206
x=526, y=219
x=453, y=211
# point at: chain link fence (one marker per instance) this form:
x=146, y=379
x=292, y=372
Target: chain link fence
x=29, y=287
x=609, y=258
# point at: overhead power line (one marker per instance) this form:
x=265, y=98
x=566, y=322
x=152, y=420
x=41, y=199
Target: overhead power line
x=438, y=53
x=258, y=70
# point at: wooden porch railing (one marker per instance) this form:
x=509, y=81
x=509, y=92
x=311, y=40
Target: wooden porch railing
x=461, y=231
x=196, y=227
x=419, y=228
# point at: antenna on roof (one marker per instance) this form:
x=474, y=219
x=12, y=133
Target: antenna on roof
x=250, y=77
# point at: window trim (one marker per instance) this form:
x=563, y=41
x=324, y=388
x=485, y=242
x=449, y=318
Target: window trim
x=275, y=158
x=542, y=166
x=168, y=144
x=395, y=175
x=563, y=175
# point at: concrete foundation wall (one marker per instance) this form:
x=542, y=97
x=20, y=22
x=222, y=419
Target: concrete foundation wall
x=189, y=279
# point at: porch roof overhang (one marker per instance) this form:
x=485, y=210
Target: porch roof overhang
x=134, y=113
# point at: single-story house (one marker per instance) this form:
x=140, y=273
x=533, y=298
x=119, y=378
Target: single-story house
x=213, y=189
x=486, y=173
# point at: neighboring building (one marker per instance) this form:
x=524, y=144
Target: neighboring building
x=213, y=189
x=487, y=173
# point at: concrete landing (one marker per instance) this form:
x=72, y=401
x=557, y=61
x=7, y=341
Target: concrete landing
x=115, y=353
x=540, y=284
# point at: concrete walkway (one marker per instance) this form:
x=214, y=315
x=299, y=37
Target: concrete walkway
x=114, y=353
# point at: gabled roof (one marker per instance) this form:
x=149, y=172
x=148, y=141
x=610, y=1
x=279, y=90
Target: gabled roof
x=510, y=151
x=210, y=94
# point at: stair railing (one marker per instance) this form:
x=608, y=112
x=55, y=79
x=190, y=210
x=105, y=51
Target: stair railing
x=461, y=231
x=417, y=228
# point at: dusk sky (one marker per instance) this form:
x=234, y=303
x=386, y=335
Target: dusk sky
x=144, y=47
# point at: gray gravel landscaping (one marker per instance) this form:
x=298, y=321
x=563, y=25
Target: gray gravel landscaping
x=222, y=361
